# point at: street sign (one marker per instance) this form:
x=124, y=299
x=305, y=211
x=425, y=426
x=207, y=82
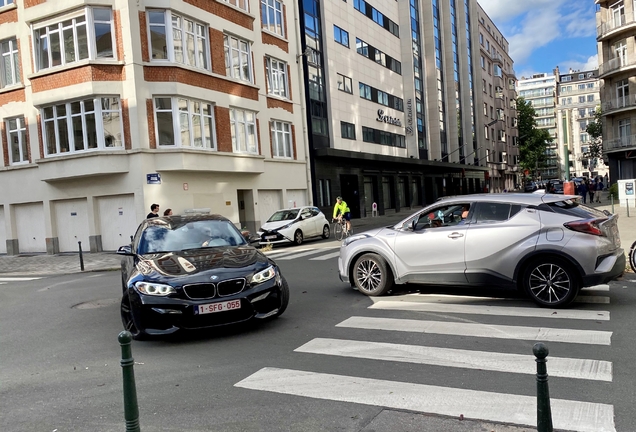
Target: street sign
x=154, y=178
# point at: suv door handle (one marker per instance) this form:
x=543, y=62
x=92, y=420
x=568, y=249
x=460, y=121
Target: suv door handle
x=455, y=235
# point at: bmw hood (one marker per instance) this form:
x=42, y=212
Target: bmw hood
x=243, y=259
x=269, y=226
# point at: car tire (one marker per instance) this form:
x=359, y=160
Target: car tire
x=544, y=278
x=284, y=297
x=372, y=275
x=326, y=232
x=298, y=237
x=632, y=257
x=128, y=321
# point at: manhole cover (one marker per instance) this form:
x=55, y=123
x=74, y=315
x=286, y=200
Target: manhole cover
x=94, y=304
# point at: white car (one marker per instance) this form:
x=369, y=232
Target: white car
x=294, y=225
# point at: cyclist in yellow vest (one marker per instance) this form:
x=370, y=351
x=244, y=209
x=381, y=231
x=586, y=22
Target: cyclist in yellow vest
x=341, y=209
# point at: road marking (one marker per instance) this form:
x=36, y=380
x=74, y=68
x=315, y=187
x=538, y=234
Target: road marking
x=492, y=361
x=542, y=334
x=602, y=287
x=473, y=404
x=18, y=279
x=302, y=254
x=284, y=252
x=421, y=304
x=326, y=257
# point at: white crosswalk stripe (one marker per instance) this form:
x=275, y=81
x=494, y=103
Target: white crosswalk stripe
x=499, y=407
x=303, y=254
x=442, y=400
x=326, y=257
x=18, y=279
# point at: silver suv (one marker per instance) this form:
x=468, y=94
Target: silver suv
x=547, y=245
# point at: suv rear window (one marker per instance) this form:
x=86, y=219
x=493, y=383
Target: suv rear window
x=573, y=208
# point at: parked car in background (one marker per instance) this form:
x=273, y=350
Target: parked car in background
x=294, y=225
x=192, y=272
x=530, y=186
x=544, y=244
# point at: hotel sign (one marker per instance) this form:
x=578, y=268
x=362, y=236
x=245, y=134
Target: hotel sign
x=409, y=116
x=388, y=119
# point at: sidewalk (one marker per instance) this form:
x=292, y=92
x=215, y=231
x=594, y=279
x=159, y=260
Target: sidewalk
x=66, y=263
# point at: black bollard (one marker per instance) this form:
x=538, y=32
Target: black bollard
x=131, y=409
x=544, y=412
x=81, y=256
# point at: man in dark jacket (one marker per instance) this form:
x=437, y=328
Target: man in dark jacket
x=154, y=211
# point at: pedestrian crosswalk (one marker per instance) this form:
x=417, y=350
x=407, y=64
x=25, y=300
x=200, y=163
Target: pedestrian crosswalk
x=5, y=280
x=321, y=253
x=431, y=315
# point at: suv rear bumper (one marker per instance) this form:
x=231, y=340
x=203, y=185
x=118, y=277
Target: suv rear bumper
x=617, y=269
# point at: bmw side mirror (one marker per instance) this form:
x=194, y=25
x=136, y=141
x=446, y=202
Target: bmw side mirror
x=125, y=250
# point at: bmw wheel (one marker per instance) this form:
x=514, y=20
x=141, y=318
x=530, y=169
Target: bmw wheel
x=326, y=232
x=372, y=275
x=551, y=282
x=128, y=321
x=298, y=237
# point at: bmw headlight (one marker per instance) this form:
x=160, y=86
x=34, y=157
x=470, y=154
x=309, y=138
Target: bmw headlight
x=263, y=275
x=353, y=238
x=154, y=289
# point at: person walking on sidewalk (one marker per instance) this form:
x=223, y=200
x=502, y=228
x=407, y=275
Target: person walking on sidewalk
x=591, y=189
x=583, y=191
x=599, y=189
x=154, y=211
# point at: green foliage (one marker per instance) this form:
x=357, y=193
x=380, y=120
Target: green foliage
x=595, y=131
x=533, y=142
x=613, y=191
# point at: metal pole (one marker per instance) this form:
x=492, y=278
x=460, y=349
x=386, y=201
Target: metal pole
x=544, y=413
x=81, y=257
x=612, y=200
x=131, y=409
x=627, y=204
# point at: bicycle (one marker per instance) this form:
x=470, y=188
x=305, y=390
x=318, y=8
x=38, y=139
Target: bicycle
x=340, y=230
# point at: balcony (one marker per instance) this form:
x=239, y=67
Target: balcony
x=617, y=64
x=620, y=143
x=615, y=26
x=619, y=104
x=578, y=91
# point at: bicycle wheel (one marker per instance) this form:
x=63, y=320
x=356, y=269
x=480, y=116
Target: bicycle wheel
x=632, y=257
x=338, y=232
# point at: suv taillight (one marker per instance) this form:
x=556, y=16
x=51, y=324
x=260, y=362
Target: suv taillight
x=586, y=226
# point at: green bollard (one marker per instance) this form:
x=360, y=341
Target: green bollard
x=544, y=413
x=131, y=409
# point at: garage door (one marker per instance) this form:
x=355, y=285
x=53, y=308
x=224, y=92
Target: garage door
x=268, y=202
x=296, y=197
x=3, y=232
x=71, y=218
x=117, y=220
x=29, y=221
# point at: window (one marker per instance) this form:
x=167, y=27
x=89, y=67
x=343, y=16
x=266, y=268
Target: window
x=494, y=212
x=184, y=123
x=86, y=124
x=5, y=2
x=485, y=109
x=382, y=137
x=272, y=16
x=277, y=78
x=581, y=76
x=10, y=65
x=365, y=91
x=347, y=130
x=281, y=139
x=581, y=99
x=73, y=39
x=622, y=93
x=237, y=58
x=345, y=84
x=340, y=36
x=482, y=61
x=241, y=4
x=590, y=98
x=16, y=136
x=484, y=83
x=243, y=127
x=178, y=39
x=581, y=112
x=566, y=78
x=324, y=192
x=481, y=39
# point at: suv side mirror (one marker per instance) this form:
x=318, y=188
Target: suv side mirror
x=125, y=250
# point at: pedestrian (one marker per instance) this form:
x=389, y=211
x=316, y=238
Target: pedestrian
x=599, y=189
x=168, y=212
x=154, y=211
x=591, y=189
x=583, y=191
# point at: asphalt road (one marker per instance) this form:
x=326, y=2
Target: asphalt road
x=60, y=359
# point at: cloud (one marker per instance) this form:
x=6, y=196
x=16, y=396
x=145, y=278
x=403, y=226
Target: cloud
x=590, y=64
x=533, y=24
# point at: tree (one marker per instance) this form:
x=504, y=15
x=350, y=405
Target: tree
x=595, y=131
x=533, y=142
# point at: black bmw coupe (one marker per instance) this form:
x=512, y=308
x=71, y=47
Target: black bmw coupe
x=192, y=272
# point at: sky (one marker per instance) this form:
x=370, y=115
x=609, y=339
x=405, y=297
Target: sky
x=543, y=34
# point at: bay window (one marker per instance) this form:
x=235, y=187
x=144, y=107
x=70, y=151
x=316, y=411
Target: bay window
x=82, y=125
x=277, y=77
x=184, y=123
x=281, y=139
x=243, y=128
x=84, y=34
x=16, y=136
x=178, y=39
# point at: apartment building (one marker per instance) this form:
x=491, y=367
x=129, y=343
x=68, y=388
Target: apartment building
x=578, y=94
x=616, y=45
x=499, y=111
x=540, y=91
x=394, y=102
x=109, y=106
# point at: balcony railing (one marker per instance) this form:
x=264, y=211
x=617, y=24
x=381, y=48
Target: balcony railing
x=619, y=103
x=578, y=90
x=613, y=24
x=628, y=141
x=615, y=64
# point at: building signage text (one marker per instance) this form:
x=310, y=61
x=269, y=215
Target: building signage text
x=409, y=116
x=388, y=119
